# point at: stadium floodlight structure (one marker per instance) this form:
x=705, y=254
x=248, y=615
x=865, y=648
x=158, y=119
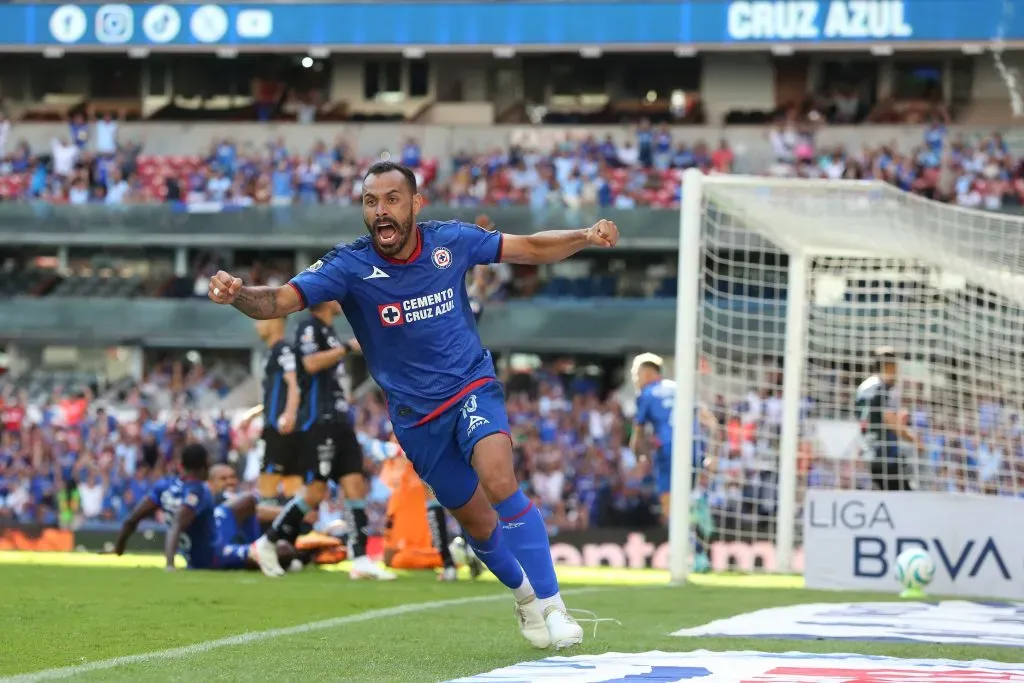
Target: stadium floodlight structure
x=785, y=288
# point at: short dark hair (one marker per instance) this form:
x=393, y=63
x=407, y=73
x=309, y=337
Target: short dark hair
x=382, y=167
x=194, y=457
x=883, y=355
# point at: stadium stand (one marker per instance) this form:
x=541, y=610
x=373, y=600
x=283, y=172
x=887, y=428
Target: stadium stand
x=62, y=461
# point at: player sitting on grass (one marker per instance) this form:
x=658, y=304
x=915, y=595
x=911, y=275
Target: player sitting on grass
x=190, y=510
x=403, y=290
x=238, y=524
x=223, y=483
x=187, y=506
x=240, y=520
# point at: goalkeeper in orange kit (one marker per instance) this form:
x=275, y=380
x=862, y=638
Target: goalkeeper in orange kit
x=416, y=536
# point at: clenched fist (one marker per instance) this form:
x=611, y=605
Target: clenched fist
x=224, y=287
x=603, y=233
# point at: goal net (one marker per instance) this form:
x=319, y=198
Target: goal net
x=796, y=283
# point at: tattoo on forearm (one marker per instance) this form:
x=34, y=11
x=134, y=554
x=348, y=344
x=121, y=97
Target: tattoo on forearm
x=259, y=303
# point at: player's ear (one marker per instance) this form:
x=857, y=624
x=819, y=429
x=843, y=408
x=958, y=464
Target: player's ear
x=417, y=203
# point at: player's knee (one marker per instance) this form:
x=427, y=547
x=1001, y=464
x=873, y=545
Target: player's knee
x=492, y=460
x=481, y=527
x=477, y=517
x=354, y=486
x=268, y=484
x=244, y=505
x=290, y=485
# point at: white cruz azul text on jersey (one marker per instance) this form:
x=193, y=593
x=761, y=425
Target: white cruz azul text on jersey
x=418, y=308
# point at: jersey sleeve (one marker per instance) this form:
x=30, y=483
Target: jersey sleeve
x=306, y=341
x=198, y=498
x=286, y=358
x=643, y=408
x=322, y=281
x=482, y=246
x=156, y=490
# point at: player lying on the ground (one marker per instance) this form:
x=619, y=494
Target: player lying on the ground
x=403, y=290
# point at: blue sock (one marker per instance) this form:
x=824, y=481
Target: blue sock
x=527, y=536
x=496, y=554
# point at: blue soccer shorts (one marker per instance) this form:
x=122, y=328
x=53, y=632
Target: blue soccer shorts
x=662, y=466
x=231, y=546
x=441, y=450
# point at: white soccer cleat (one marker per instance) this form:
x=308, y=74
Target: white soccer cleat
x=531, y=623
x=365, y=568
x=264, y=551
x=563, y=631
x=448, y=574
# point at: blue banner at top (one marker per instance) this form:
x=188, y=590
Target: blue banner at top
x=441, y=25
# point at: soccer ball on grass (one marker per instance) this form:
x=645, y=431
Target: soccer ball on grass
x=914, y=571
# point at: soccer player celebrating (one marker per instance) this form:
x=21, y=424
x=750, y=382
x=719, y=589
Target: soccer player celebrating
x=402, y=289
x=878, y=404
x=281, y=400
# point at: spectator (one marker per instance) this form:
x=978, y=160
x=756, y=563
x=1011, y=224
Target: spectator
x=65, y=154
x=5, y=134
x=105, y=134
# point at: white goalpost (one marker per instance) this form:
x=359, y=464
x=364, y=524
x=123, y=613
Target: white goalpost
x=785, y=288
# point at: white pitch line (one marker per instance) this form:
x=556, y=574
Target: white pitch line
x=256, y=636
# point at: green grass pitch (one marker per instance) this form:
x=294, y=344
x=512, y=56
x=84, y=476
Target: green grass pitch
x=81, y=610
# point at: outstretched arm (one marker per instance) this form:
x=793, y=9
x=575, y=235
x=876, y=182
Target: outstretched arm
x=552, y=246
x=259, y=303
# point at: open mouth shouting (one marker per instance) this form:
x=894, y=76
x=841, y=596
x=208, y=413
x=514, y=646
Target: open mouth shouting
x=387, y=232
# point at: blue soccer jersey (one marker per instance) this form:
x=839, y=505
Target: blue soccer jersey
x=196, y=543
x=654, y=407
x=412, y=318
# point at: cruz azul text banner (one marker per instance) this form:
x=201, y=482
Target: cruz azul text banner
x=509, y=23
x=852, y=538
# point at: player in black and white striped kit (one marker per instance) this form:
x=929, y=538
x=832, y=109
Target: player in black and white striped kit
x=878, y=409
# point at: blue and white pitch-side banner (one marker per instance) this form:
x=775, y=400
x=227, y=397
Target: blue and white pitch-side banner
x=948, y=623
x=352, y=25
x=852, y=538
x=747, y=667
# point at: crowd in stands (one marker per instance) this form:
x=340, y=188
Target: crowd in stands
x=83, y=457
x=93, y=164
x=71, y=459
